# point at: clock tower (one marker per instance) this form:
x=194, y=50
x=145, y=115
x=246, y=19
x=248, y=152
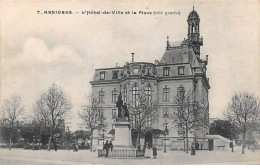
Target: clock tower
x=194, y=31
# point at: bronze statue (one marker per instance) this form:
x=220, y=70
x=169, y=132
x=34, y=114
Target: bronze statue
x=122, y=108
x=119, y=104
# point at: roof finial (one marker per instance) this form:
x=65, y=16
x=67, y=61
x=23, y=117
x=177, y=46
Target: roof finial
x=133, y=57
x=168, y=44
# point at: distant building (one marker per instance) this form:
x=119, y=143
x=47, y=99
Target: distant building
x=180, y=68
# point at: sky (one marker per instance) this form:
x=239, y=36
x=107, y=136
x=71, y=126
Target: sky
x=40, y=49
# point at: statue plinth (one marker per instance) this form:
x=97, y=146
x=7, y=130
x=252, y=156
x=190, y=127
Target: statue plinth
x=123, y=138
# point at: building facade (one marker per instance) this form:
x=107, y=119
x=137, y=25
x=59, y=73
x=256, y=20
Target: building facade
x=180, y=68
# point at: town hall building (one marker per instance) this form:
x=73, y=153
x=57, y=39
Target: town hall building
x=180, y=68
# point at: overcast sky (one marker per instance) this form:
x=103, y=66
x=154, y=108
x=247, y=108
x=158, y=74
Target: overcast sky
x=38, y=50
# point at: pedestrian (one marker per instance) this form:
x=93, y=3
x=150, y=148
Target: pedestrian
x=154, y=152
x=147, y=153
x=55, y=145
x=144, y=147
x=110, y=145
x=106, y=147
x=193, y=148
x=231, y=146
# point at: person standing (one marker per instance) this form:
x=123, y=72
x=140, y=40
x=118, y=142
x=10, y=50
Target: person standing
x=193, y=148
x=155, y=152
x=106, y=147
x=110, y=145
x=147, y=153
x=232, y=146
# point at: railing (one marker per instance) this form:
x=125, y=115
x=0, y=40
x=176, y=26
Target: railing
x=175, y=43
x=126, y=153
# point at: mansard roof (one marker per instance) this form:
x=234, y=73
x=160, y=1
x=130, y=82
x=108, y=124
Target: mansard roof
x=178, y=55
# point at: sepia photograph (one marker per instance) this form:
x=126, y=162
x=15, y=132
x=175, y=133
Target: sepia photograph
x=129, y=82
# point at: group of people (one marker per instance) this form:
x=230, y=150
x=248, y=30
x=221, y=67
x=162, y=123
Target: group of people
x=147, y=151
x=107, y=146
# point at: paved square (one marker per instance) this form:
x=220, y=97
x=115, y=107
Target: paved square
x=64, y=157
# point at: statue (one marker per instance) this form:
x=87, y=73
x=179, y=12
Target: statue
x=119, y=104
x=122, y=108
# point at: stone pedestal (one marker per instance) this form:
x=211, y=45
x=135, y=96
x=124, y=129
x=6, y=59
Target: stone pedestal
x=123, y=138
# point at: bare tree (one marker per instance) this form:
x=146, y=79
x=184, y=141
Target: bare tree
x=92, y=117
x=244, y=112
x=188, y=116
x=51, y=108
x=143, y=115
x=12, y=108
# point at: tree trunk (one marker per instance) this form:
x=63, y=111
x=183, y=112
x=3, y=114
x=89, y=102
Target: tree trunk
x=243, y=142
x=91, y=141
x=49, y=142
x=10, y=141
x=187, y=143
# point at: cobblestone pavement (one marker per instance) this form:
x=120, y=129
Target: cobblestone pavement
x=64, y=157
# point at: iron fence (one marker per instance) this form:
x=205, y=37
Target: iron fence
x=123, y=153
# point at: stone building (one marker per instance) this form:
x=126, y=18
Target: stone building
x=180, y=68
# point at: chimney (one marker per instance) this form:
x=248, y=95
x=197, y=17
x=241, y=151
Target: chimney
x=133, y=57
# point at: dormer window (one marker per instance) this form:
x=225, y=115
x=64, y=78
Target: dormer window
x=149, y=71
x=166, y=71
x=115, y=75
x=136, y=71
x=102, y=75
x=181, y=70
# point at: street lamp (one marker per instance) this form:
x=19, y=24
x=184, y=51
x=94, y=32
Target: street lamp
x=33, y=141
x=166, y=132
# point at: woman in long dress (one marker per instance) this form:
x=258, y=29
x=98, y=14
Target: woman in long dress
x=147, y=153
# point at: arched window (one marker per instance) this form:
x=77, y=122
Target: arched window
x=125, y=94
x=135, y=95
x=148, y=94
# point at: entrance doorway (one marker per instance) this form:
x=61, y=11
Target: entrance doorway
x=149, y=139
x=211, y=144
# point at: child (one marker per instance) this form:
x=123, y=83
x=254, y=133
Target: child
x=155, y=152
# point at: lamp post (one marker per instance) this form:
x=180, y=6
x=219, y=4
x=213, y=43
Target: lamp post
x=33, y=141
x=166, y=132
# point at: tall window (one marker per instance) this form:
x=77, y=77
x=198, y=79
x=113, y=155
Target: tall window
x=165, y=93
x=180, y=129
x=149, y=71
x=181, y=70
x=165, y=125
x=114, y=95
x=148, y=94
x=102, y=75
x=148, y=122
x=165, y=112
x=114, y=113
x=180, y=92
x=101, y=116
x=125, y=94
x=166, y=71
x=135, y=95
x=136, y=71
x=101, y=96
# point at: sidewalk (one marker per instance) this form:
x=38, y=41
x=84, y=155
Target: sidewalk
x=61, y=157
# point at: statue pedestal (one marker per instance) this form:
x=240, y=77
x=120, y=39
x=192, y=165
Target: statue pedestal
x=123, y=137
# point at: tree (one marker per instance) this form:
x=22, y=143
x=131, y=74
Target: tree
x=92, y=117
x=224, y=128
x=188, y=115
x=143, y=115
x=12, y=108
x=52, y=108
x=244, y=112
